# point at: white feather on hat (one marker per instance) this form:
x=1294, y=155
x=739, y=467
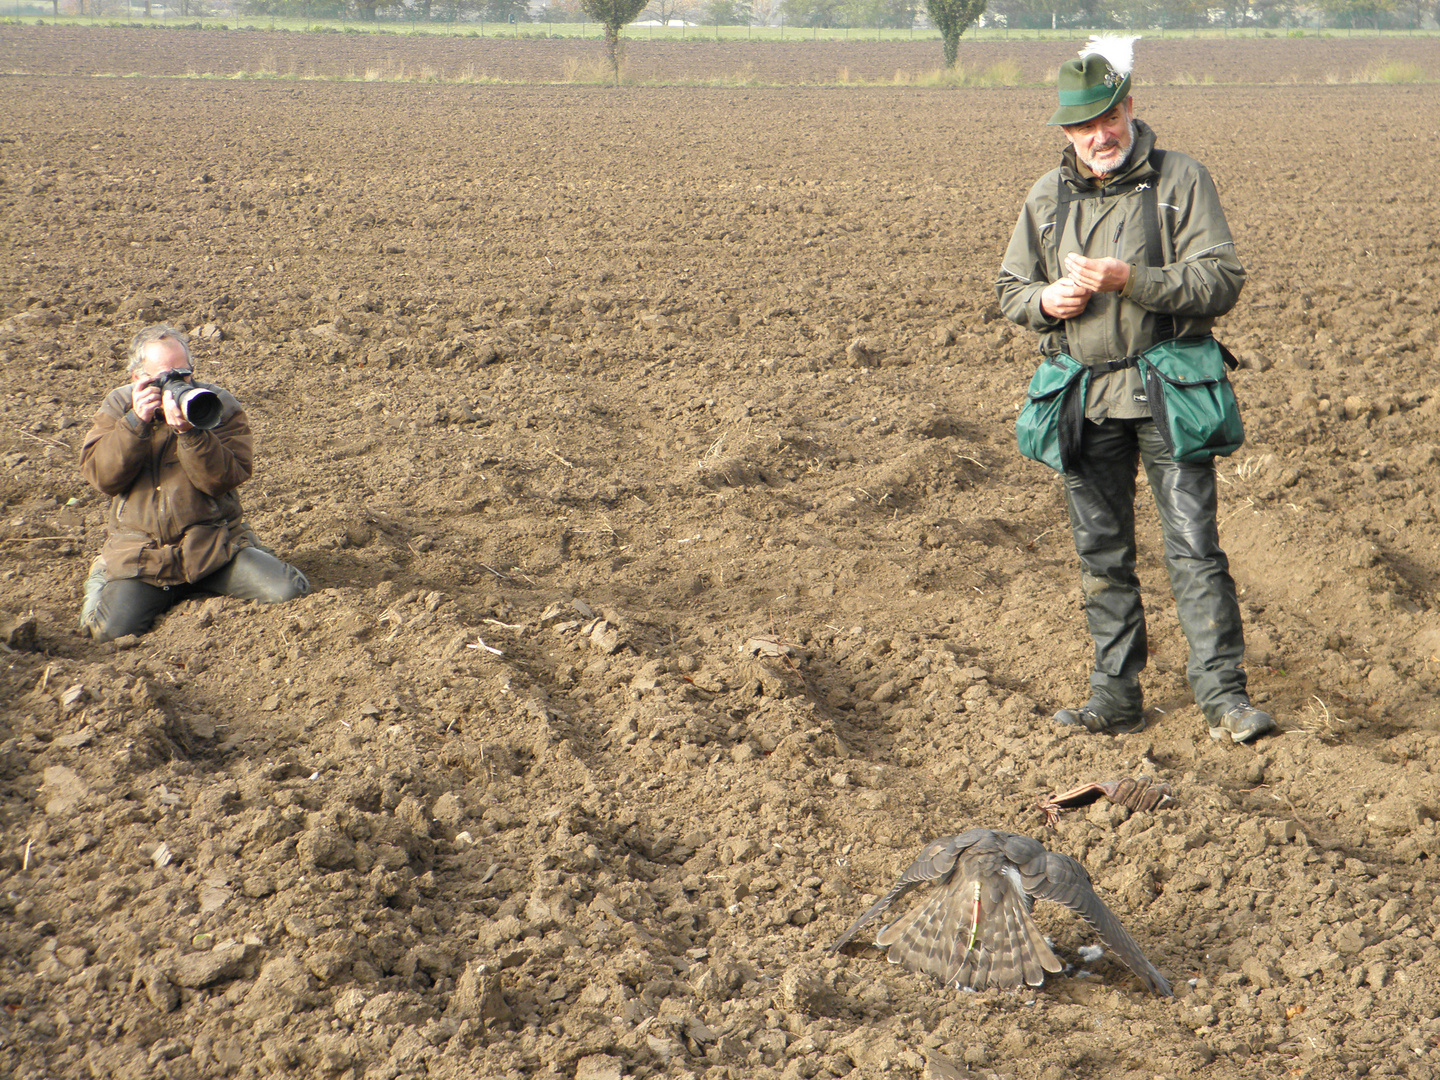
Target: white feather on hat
x=1119, y=52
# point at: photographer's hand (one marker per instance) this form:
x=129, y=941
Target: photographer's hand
x=145, y=400
x=174, y=417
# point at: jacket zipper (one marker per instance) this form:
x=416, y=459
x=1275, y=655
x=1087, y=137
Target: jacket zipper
x=162, y=523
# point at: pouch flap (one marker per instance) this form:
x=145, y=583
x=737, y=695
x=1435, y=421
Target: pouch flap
x=1053, y=376
x=1187, y=361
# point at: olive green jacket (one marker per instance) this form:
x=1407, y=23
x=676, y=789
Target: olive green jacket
x=175, y=515
x=1199, y=279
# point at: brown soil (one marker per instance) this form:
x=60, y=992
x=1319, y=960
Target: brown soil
x=703, y=365
x=80, y=50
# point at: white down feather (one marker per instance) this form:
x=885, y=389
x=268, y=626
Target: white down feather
x=1119, y=52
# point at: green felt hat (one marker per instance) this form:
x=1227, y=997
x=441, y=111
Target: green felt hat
x=1088, y=86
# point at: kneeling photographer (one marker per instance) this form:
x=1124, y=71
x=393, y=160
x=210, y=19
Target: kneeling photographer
x=171, y=453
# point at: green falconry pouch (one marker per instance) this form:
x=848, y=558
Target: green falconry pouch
x=1191, y=401
x=1048, y=428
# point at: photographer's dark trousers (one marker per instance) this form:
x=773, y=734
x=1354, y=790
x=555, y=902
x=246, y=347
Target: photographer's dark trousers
x=131, y=606
x=1100, y=493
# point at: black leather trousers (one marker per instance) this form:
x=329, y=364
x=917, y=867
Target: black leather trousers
x=129, y=606
x=1100, y=494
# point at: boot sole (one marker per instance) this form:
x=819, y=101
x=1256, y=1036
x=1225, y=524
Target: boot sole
x=1220, y=734
x=1128, y=728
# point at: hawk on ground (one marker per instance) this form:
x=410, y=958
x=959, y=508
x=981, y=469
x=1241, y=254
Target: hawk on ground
x=975, y=930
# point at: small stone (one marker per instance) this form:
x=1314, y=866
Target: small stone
x=22, y=634
x=606, y=638
x=801, y=988
x=478, y=996
x=324, y=849
x=161, y=992
x=861, y=352
x=598, y=1067
x=62, y=789
x=201, y=969
x=1356, y=407
x=448, y=810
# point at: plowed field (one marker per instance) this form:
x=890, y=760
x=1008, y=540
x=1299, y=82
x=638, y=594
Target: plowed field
x=564, y=395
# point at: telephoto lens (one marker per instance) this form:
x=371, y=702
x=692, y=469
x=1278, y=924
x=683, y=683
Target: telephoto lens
x=200, y=407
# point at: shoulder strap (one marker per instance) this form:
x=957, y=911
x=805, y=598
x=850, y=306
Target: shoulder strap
x=1150, y=212
x=1154, y=250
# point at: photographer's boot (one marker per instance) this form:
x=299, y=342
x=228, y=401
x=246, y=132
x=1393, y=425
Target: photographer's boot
x=94, y=586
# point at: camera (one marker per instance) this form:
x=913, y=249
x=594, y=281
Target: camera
x=200, y=407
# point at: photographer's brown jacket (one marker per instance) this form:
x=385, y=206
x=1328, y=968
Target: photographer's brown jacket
x=174, y=515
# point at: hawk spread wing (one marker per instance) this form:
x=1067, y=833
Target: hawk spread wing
x=976, y=930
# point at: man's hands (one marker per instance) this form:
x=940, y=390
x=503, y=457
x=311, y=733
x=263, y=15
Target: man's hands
x=1064, y=299
x=1097, y=275
x=148, y=399
x=1068, y=297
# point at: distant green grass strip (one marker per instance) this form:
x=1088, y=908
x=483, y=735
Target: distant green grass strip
x=543, y=30
x=593, y=71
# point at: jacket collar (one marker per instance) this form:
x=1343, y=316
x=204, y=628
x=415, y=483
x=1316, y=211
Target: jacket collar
x=1075, y=173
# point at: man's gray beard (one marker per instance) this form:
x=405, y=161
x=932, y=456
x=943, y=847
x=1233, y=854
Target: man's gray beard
x=1130, y=127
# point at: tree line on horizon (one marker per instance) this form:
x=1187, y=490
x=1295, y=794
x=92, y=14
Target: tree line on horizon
x=1088, y=15
x=942, y=15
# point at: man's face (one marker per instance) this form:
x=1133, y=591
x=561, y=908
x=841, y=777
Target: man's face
x=1104, y=143
x=161, y=356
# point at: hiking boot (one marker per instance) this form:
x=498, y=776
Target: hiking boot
x=94, y=585
x=1242, y=723
x=1088, y=717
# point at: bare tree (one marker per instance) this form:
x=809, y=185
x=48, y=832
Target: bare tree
x=952, y=18
x=613, y=15
x=662, y=11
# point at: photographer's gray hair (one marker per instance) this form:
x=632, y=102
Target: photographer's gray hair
x=159, y=332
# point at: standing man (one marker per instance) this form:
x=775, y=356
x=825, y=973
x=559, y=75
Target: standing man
x=171, y=459
x=1079, y=272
